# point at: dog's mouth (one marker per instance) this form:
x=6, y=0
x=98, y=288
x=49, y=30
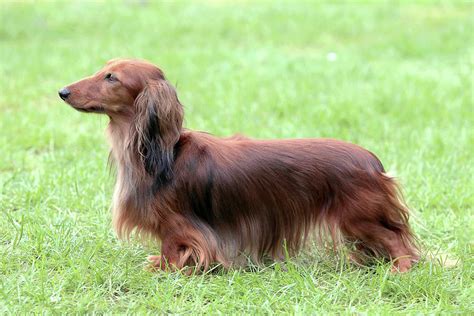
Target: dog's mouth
x=90, y=109
x=86, y=106
x=87, y=109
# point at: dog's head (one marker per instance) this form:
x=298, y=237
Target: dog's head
x=136, y=92
x=114, y=88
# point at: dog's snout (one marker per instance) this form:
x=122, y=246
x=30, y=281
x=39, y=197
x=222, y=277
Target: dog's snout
x=64, y=93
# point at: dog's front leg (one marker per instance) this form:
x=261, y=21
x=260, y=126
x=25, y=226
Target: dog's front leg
x=184, y=247
x=172, y=256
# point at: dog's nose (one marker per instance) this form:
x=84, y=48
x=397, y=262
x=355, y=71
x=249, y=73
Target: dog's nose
x=64, y=93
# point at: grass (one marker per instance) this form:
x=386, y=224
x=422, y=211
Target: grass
x=401, y=85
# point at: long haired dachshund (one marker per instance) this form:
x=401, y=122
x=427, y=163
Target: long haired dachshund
x=213, y=200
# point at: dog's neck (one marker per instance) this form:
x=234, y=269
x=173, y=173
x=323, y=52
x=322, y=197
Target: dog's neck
x=133, y=187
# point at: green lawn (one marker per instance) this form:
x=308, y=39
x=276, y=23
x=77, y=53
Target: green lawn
x=396, y=79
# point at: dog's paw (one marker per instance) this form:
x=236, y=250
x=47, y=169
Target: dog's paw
x=156, y=263
x=401, y=265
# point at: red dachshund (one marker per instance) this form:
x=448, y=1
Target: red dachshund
x=212, y=200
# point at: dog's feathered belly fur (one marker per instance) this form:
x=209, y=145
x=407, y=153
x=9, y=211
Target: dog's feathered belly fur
x=233, y=196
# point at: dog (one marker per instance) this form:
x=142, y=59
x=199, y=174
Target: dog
x=213, y=201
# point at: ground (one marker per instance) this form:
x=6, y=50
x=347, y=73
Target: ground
x=396, y=79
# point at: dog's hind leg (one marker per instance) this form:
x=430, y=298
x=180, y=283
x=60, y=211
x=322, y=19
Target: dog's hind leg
x=375, y=218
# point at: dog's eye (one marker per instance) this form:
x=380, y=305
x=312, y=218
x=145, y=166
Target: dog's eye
x=110, y=77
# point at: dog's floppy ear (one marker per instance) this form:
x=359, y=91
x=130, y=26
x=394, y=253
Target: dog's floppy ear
x=158, y=123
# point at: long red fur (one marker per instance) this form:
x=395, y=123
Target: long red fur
x=215, y=200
